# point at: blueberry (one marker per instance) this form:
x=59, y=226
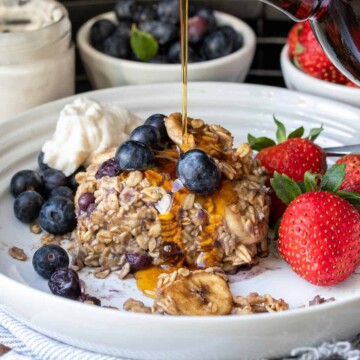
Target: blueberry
x=100, y=31
x=123, y=28
x=217, y=44
x=169, y=11
x=159, y=59
x=41, y=163
x=198, y=28
x=25, y=180
x=108, y=168
x=146, y=134
x=207, y=14
x=124, y=9
x=85, y=200
x=52, y=179
x=117, y=45
x=27, y=206
x=138, y=261
x=64, y=191
x=65, y=282
x=57, y=216
x=144, y=13
x=49, y=258
x=72, y=180
x=235, y=37
x=174, y=54
x=158, y=121
x=134, y=155
x=164, y=33
x=198, y=172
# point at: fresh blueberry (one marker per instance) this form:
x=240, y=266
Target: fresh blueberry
x=108, y=168
x=72, y=178
x=41, y=163
x=138, y=261
x=85, y=200
x=65, y=282
x=123, y=28
x=235, y=37
x=207, y=14
x=52, y=179
x=134, y=155
x=124, y=9
x=198, y=28
x=174, y=54
x=159, y=59
x=49, y=258
x=198, y=172
x=100, y=31
x=164, y=33
x=169, y=11
x=216, y=45
x=146, y=134
x=158, y=121
x=144, y=13
x=25, y=180
x=117, y=45
x=27, y=206
x=64, y=191
x=57, y=216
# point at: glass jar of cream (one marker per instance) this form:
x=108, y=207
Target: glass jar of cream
x=37, y=57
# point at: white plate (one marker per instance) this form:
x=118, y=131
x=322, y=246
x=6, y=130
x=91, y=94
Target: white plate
x=240, y=108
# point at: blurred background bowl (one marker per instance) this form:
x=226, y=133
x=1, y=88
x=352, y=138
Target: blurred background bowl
x=106, y=71
x=296, y=79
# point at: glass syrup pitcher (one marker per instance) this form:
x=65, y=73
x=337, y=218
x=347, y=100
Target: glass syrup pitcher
x=336, y=24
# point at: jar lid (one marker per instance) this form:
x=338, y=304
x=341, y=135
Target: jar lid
x=31, y=24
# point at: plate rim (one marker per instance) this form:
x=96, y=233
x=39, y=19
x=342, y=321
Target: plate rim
x=285, y=315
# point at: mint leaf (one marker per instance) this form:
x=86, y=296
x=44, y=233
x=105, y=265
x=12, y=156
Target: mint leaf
x=260, y=143
x=333, y=178
x=280, y=132
x=314, y=133
x=285, y=188
x=352, y=197
x=143, y=44
x=298, y=133
x=310, y=181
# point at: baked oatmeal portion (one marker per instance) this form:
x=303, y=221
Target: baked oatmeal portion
x=151, y=216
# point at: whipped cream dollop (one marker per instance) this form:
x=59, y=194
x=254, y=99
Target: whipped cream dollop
x=85, y=129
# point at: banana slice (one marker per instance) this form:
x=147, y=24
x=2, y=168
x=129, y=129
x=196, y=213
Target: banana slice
x=198, y=293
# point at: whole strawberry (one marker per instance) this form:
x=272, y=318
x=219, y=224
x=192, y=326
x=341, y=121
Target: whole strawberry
x=307, y=55
x=319, y=234
x=292, y=156
x=352, y=178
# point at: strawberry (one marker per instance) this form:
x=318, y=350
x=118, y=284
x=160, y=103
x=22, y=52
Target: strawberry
x=319, y=234
x=308, y=56
x=293, y=156
x=352, y=178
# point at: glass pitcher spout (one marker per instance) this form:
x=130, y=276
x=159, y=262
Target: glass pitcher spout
x=336, y=24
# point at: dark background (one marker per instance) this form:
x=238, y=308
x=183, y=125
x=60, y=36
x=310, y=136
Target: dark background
x=270, y=26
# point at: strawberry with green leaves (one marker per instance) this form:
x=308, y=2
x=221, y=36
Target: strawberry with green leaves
x=319, y=234
x=292, y=156
x=352, y=178
x=307, y=55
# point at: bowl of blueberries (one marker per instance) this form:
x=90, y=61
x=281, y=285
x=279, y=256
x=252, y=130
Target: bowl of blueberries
x=140, y=44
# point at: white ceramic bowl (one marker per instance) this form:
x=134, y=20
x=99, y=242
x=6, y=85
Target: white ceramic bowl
x=296, y=79
x=106, y=71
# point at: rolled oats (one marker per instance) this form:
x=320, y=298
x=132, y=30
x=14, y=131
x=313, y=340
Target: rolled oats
x=17, y=253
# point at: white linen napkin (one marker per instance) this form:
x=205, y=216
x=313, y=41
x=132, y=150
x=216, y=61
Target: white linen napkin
x=27, y=344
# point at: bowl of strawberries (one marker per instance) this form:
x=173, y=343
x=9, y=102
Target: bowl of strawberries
x=306, y=68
